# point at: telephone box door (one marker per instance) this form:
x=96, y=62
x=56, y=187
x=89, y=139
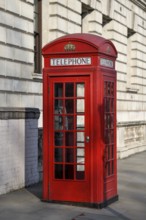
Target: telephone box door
x=69, y=138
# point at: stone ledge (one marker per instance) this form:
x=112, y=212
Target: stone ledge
x=19, y=113
x=131, y=123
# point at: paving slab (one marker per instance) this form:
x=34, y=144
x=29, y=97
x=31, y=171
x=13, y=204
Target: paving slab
x=26, y=204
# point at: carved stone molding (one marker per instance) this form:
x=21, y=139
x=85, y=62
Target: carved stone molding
x=19, y=113
x=140, y=3
x=132, y=123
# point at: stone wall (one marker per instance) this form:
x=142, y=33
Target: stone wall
x=131, y=138
x=18, y=84
x=18, y=148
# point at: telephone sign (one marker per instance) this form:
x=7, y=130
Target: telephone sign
x=79, y=118
x=70, y=61
x=106, y=62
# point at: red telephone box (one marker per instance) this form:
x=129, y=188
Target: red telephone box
x=79, y=102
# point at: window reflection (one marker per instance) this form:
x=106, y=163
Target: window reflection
x=80, y=144
x=80, y=136
x=80, y=89
x=81, y=160
x=58, y=122
x=58, y=106
x=69, y=123
x=80, y=105
x=80, y=152
x=80, y=122
x=80, y=167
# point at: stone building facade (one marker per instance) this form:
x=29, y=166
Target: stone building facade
x=27, y=25
x=124, y=23
x=18, y=84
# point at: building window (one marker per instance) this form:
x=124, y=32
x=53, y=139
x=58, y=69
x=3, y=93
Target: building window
x=37, y=36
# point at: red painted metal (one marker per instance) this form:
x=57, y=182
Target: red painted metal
x=91, y=178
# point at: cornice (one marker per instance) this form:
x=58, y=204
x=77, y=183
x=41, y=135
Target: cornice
x=140, y=3
x=19, y=113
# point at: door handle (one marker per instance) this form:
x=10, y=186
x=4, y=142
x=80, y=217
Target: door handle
x=87, y=139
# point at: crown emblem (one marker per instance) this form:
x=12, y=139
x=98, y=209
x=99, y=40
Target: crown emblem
x=69, y=47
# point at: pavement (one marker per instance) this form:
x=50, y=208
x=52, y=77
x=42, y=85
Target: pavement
x=26, y=204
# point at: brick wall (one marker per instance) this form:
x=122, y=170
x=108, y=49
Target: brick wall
x=18, y=148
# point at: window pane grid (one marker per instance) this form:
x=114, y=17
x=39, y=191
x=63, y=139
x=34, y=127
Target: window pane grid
x=69, y=127
x=109, y=121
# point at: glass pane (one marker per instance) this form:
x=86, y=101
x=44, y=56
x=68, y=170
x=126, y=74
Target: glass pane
x=58, y=122
x=58, y=89
x=112, y=120
x=58, y=171
x=58, y=139
x=108, y=168
x=69, y=171
x=80, y=105
x=80, y=121
x=112, y=164
x=80, y=144
x=112, y=105
x=80, y=175
x=80, y=168
x=107, y=105
x=69, y=155
x=81, y=160
x=80, y=90
x=112, y=136
x=69, y=139
x=58, y=155
x=109, y=120
x=106, y=137
x=108, y=151
x=80, y=137
x=80, y=152
x=112, y=151
x=69, y=123
x=112, y=89
x=69, y=104
x=58, y=108
x=69, y=89
x=108, y=88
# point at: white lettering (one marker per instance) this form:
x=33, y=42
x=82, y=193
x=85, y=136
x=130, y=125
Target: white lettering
x=70, y=61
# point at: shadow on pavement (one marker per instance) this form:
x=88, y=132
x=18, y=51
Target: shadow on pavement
x=36, y=190
x=118, y=214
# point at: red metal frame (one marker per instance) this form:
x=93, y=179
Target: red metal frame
x=97, y=189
